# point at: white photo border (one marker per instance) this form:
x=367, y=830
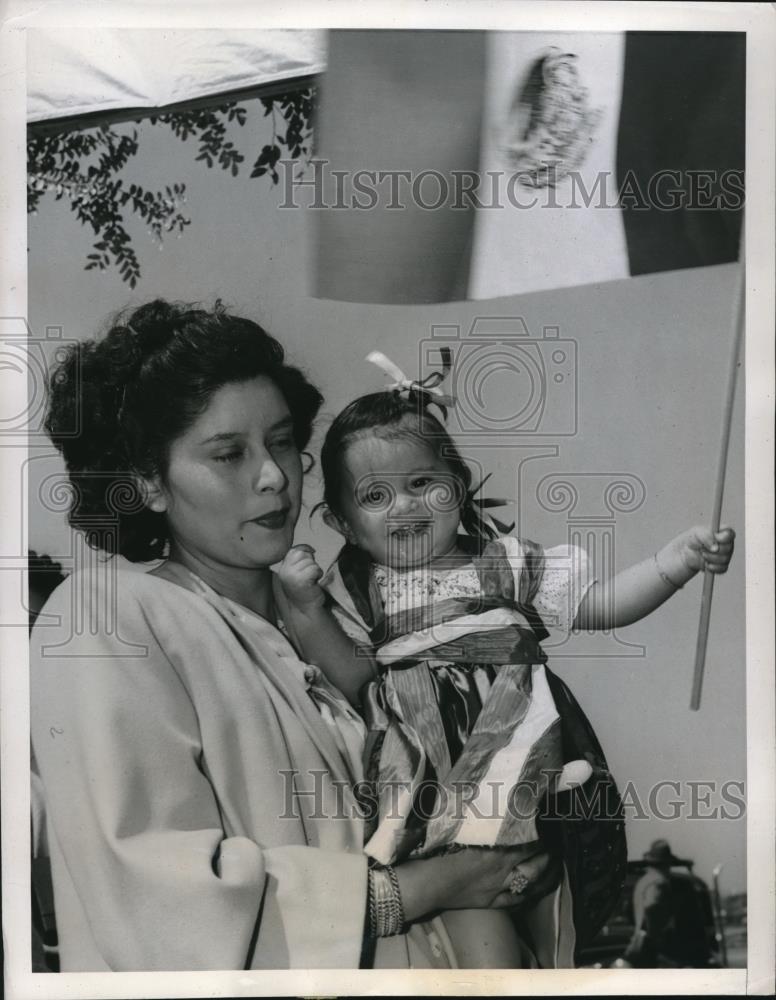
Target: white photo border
x=759, y=22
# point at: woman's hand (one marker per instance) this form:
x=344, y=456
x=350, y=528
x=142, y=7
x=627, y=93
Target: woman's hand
x=299, y=574
x=475, y=878
x=694, y=551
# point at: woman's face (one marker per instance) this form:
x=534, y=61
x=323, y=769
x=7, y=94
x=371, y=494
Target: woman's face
x=233, y=485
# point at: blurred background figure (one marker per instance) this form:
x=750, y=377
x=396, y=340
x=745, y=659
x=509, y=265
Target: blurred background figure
x=672, y=913
x=44, y=575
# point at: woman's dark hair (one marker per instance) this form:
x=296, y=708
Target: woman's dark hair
x=118, y=402
x=44, y=575
x=393, y=414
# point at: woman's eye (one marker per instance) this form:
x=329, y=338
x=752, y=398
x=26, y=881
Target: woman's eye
x=282, y=444
x=229, y=456
x=421, y=482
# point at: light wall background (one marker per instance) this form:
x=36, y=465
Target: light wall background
x=652, y=353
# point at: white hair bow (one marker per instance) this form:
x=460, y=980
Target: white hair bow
x=430, y=384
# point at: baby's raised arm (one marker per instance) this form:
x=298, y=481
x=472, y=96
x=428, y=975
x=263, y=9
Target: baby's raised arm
x=637, y=591
x=346, y=664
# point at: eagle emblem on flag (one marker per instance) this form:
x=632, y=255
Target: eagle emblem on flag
x=550, y=124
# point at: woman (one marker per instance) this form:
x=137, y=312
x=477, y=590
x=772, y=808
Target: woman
x=198, y=776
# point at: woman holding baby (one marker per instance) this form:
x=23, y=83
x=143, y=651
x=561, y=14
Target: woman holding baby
x=201, y=778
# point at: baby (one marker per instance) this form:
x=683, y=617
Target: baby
x=432, y=623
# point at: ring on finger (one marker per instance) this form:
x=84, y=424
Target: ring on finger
x=517, y=882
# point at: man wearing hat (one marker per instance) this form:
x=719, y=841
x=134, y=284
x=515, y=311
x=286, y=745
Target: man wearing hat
x=654, y=910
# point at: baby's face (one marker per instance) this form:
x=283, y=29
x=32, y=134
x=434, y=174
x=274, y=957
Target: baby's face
x=401, y=503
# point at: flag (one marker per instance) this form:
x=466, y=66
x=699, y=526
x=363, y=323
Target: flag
x=454, y=165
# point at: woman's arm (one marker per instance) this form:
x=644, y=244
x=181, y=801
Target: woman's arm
x=637, y=591
x=117, y=742
x=347, y=664
x=475, y=878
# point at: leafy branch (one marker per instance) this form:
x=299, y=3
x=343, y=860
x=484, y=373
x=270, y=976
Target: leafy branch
x=86, y=166
x=296, y=110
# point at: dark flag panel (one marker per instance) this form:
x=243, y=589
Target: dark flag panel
x=684, y=110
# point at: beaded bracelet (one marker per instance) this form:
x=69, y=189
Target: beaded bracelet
x=384, y=905
x=665, y=577
x=396, y=895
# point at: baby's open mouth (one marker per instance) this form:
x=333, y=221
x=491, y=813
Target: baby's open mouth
x=408, y=530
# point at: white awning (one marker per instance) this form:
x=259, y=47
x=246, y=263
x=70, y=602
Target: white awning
x=73, y=72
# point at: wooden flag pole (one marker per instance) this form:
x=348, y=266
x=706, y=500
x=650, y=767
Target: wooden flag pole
x=708, y=577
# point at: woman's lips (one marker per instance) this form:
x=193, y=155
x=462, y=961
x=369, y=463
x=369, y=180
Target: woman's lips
x=273, y=520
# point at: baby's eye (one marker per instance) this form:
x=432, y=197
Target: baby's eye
x=443, y=493
x=420, y=482
x=376, y=497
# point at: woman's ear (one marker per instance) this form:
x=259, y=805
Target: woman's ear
x=331, y=520
x=153, y=493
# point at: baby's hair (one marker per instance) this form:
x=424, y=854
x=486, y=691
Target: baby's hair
x=392, y=414
x=131, y=393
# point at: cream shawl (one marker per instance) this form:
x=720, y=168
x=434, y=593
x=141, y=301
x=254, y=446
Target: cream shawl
x=198, y=807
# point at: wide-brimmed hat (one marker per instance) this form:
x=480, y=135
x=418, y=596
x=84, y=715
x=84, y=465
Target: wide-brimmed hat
x=660, y=853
